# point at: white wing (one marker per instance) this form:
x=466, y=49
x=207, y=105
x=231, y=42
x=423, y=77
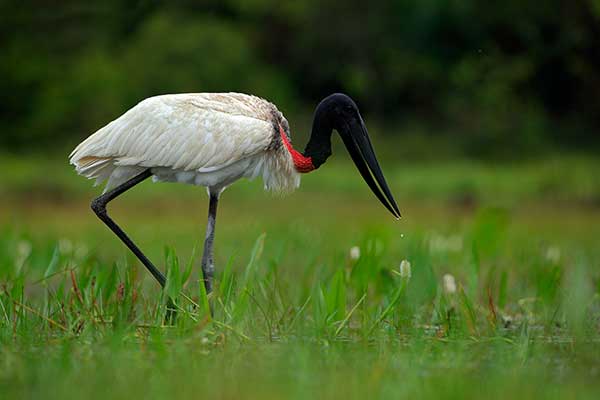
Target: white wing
x=186, y=132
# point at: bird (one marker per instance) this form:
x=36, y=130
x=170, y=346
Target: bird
x=212, y=140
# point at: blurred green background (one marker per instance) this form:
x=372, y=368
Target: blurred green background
x=504, y=79
x=484, y=116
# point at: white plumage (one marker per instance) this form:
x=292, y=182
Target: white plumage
x=207, y=139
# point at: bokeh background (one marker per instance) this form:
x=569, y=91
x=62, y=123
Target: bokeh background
x=440, y=78
x=484, y=116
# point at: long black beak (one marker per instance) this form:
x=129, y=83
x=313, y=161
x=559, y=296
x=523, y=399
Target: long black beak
x=361, y=150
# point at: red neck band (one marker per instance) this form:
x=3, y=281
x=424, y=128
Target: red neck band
x=303, y=164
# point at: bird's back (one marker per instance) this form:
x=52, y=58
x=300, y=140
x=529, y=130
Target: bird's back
x=199, y=138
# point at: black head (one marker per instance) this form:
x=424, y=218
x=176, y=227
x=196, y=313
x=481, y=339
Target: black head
x=342, y=107
x=338, y=111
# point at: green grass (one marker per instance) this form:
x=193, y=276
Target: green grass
x=294, y=315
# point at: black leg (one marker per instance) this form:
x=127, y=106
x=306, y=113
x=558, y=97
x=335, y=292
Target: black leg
x=208, y=267
x=99, y=207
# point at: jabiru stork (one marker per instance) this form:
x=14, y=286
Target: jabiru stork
x=212, y=140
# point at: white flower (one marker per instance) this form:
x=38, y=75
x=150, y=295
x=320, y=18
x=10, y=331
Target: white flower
x=354, y=253
x=81, y=251
x=553, y=254
x=24, y=249
x=65, y=246
x=449, y=284
x=23, y=252
x=405, y=269
x=439, y=243
x=507, y=320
